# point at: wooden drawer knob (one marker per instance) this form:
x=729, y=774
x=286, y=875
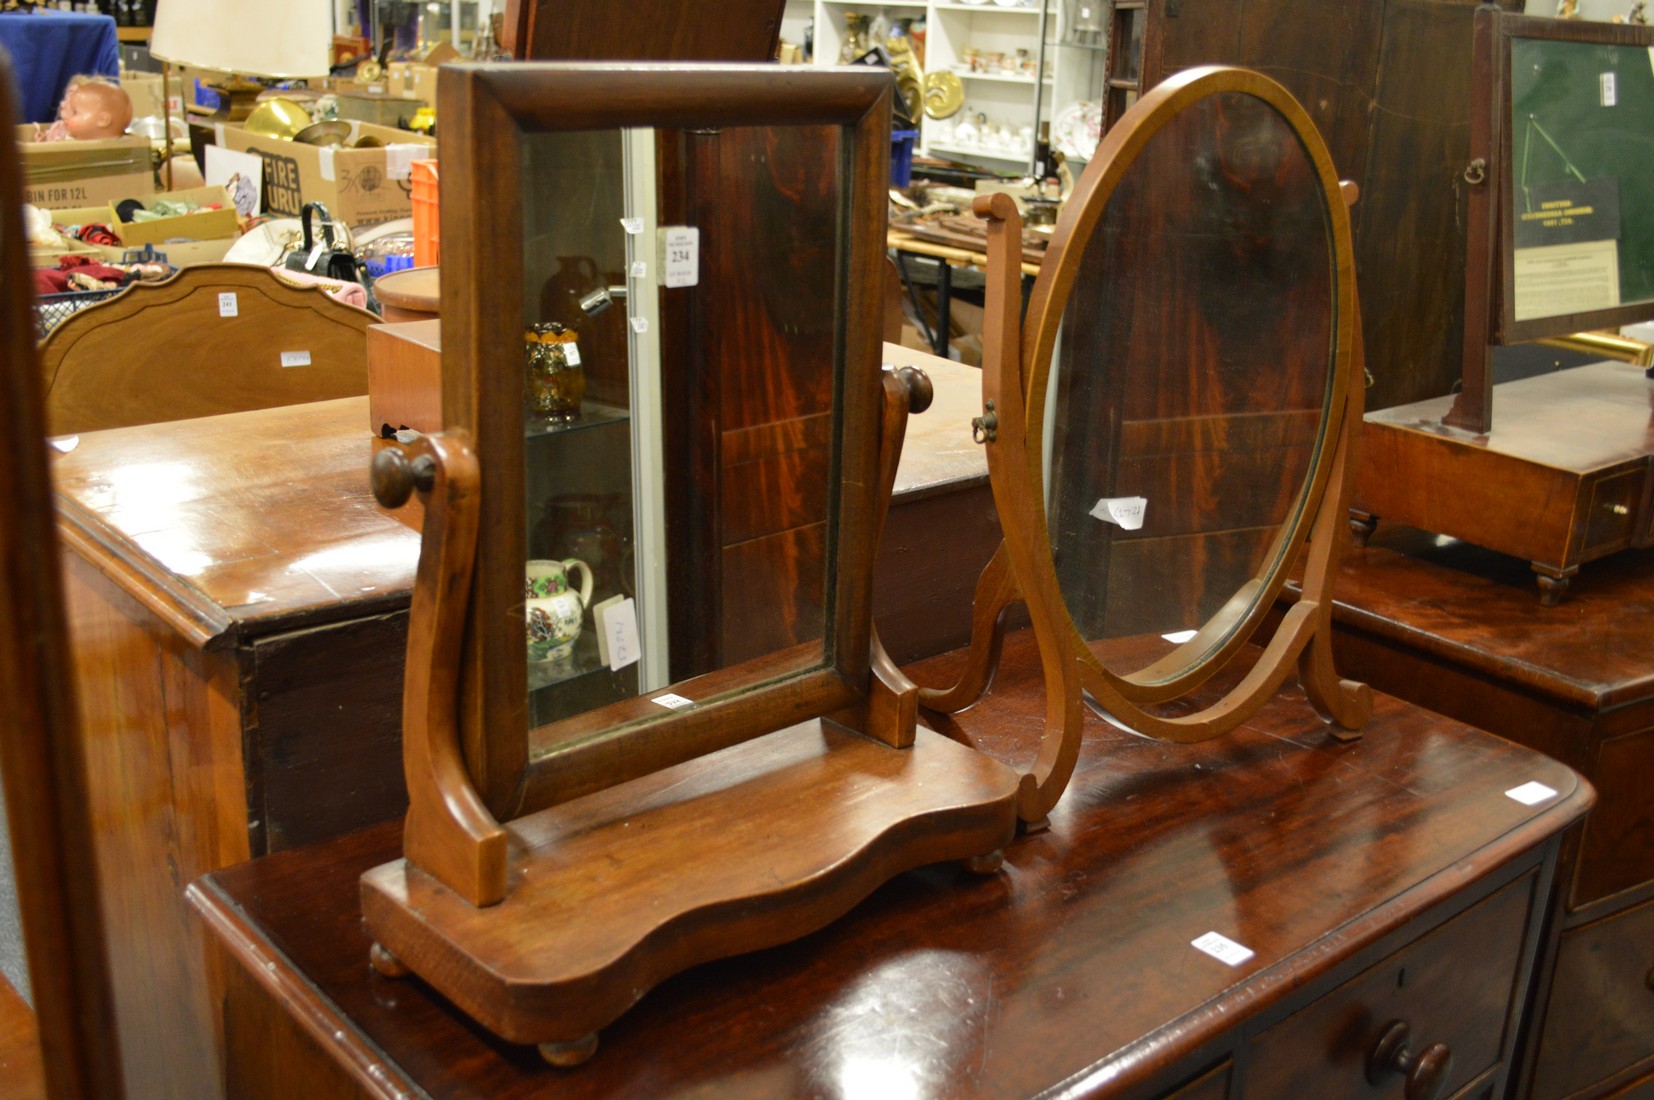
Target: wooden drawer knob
x=394, y=477
x=1426, y=1072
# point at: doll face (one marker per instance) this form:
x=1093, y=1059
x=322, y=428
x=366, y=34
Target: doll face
x=91, y=111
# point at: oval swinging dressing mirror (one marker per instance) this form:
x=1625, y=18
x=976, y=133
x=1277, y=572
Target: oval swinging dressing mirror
x=1168, y=428
x=1184, y=395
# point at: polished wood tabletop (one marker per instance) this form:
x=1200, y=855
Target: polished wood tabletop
x=1072, y=969
x=260, y=518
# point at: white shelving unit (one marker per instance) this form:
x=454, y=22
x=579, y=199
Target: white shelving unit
x=1066, y=68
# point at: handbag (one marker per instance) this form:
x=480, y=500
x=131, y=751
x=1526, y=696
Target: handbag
x=322, y=255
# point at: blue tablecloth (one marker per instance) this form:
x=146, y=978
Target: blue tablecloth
x=47, y=48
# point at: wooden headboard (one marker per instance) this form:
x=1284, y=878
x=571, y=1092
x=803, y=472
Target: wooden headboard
x=216, y=338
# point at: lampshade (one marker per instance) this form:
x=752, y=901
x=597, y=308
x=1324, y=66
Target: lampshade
x=281, y=39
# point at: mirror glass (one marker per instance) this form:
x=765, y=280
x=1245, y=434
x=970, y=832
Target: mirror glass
x=1190, y=376
x=680, y=327
x=1580, y=177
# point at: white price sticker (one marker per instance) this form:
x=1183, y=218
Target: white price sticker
x=571, y=354
x=640, y=325
x=617, y=643
x=1610, y=89
x=675, y=702
x=680, y=255
x=639, y=269
x=227, y=304
x=1222, y=948
x=634, y=226
x=1125, y=511
x=1531, y=794
x=295, y=358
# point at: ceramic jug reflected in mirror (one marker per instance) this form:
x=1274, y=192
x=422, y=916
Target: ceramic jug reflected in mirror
x=552, y=609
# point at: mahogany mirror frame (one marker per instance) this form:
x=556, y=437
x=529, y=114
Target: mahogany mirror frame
x=53, y=857
x=1017, y=361
x=490, y=107
x=1490, y=237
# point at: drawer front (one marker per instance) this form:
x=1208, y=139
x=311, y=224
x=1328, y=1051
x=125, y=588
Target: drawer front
x=1611, y=517
x=1454, y=987
x=1601, y=1014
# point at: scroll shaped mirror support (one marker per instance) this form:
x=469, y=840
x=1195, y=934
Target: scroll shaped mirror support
x=1174, y=425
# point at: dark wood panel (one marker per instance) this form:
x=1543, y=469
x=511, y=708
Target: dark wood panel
x=307, y=777
x=774, y=592
x=1327, y=55
x=1601, y=1010
x=592, y=30
x=768, y=495
x=1182, y=33
x=1618, y=850
x=1072, y=968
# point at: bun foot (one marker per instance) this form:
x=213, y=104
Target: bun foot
x=383, y=962
x=988, y=863
x=1362, y=526
x=570, y=1054
x=1553, y=583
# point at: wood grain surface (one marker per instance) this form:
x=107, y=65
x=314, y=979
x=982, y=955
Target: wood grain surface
x=1070, y=970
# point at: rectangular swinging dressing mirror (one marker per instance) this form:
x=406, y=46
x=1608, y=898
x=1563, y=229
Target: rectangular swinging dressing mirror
x=646, y=721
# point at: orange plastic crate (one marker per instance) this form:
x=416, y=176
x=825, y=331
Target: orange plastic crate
x=427, y=244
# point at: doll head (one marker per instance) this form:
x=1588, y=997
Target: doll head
x=94, y=108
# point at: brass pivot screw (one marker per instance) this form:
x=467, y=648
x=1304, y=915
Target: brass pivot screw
x=985, y=428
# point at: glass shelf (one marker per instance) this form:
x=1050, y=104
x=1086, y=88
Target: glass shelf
x=592, y=415
x=998, y=78
x=996, y=8
x=978, y=151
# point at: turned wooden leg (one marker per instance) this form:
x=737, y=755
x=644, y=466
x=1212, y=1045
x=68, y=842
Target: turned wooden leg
x=570, y=1054
x=1553, y=583
x=1362, y=526
x=383, y=962
x=988, y=863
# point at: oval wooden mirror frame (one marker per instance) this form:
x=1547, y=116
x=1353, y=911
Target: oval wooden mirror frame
x=1017, y=362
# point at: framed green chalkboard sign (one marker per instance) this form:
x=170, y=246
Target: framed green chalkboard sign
x=1560, y=188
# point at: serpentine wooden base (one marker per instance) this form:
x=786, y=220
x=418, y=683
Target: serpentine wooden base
x=746, y=848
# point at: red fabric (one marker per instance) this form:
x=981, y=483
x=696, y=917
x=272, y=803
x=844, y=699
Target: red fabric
x=99, y=270
x=47, y=281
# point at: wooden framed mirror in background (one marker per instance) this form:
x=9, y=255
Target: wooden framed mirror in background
x=1168, y=431
x=47, y=807
x=643, y=686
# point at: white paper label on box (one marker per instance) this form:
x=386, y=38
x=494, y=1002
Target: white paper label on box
x=640, y=325
x=399, y=158
x=640, y=270
x=295, y=358
x=680, y=255
x=376, y=89
x=675, y=702
x=571, y=354
x=1222, y=948
x=324, y=162
x=619, y=640
x=1531, y=794
x=227, y=304
x=218, y=133
x=1125, y=511
x=634, y=226
x=1610, y=89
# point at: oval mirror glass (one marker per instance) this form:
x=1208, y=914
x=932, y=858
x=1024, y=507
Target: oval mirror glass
x=1189, y=385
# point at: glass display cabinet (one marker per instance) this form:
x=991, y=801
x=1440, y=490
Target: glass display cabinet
x=646, y=721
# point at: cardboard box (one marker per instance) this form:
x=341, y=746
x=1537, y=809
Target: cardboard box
x=358, y=186
x=203, y=225
x=83, y=173
x=145, y=92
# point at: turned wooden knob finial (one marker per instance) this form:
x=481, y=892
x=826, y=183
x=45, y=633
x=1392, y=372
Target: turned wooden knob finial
x=1425, y=1072
x=395, y=476
x=920, y=390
